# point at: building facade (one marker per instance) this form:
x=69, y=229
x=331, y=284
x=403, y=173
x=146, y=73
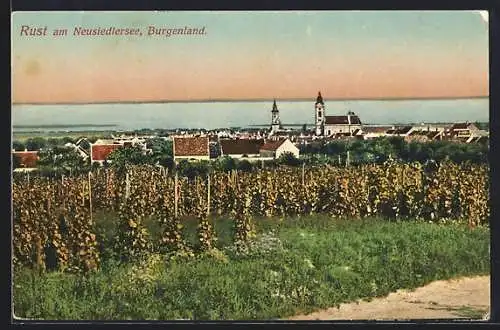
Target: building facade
x=191, y=148
x=333, y=125
x=275, y=119
x=274, y=149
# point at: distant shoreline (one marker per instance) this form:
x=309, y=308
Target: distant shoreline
x=64, y=126
x=260, y=100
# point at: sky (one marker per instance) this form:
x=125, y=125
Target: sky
x=251, y=55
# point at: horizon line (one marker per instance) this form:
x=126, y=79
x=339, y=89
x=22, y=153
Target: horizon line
x=256, y=100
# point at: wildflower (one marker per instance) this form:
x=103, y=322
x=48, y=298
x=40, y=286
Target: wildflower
x=274, y=273
x=309, y=263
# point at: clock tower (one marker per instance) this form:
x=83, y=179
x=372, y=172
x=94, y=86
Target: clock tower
x=319, y=114
x=275, y=119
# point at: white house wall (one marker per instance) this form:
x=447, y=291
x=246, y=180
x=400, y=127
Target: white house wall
x=333, y=129
x=287, y=146
x=179, y=158
x=238, y=156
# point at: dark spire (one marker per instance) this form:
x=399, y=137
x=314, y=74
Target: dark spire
x=275, y=107
x=319, y=99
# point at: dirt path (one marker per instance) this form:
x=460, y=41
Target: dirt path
x=459, y=298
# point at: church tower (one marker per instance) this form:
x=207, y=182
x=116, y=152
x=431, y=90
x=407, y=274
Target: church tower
x=275, y=119
x=319, y=114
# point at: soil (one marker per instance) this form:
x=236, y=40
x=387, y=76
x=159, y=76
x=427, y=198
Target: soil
x=463, y=298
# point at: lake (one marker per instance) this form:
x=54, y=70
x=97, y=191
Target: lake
x=210, y=115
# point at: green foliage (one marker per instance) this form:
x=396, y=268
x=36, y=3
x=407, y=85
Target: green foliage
x=380, y=149
x=162, y=151
x=18, y=146
x=244, y=165
x=303, y=264
x=225, y=163
x=288, y=158
x=193, y=169
x=62, y=160
x=36, y=143
x=129, y=156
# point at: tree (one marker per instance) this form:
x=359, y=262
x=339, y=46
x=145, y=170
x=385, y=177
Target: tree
x=129, y=156
x=54, y=142
x=160, y=146
x=398, y=145
x=67, y=139
x=194, y=169
x=163, y=153
x=18, y=146
x=382, y=149
x=36, y=143
x=335, y=148
x=244, y=165
x=225, y=163
x=62, y=160
x=288, y=158
x=304, y=128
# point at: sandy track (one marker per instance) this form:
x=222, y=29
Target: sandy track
x=459, y=298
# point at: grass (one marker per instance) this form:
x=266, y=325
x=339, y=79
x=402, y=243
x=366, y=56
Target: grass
x=296, y=265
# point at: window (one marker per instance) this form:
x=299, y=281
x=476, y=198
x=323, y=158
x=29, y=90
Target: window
x=329, y=132
x=319, y=114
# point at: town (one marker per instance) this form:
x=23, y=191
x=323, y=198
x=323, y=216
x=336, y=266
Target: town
x=253, y=165
x=262, y=144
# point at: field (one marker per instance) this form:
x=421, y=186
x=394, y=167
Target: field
x=295, y=266
x=141, y=243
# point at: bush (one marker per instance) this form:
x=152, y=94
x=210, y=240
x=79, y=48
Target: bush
x=244, y=166
x=294, y=269
x=193, y=169
x=289, y=159
x=225, y=164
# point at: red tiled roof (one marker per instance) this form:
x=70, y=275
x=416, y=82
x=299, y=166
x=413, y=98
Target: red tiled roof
x=101, y=151
x=27, y=159
x=336, y=120
x=272, y=145
x=191, y=146
x=241, y=146
x=342, y=120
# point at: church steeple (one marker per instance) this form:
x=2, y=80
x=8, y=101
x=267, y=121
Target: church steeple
x=319, y=99
x=319, y=114
x=275, y=118
x=275, y=107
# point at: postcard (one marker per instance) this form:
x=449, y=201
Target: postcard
x=250, y=165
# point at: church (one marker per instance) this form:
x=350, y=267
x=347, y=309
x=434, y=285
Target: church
x=332, y=125
x=275, y=119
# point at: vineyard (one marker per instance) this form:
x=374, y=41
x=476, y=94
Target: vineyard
x=54, y=225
